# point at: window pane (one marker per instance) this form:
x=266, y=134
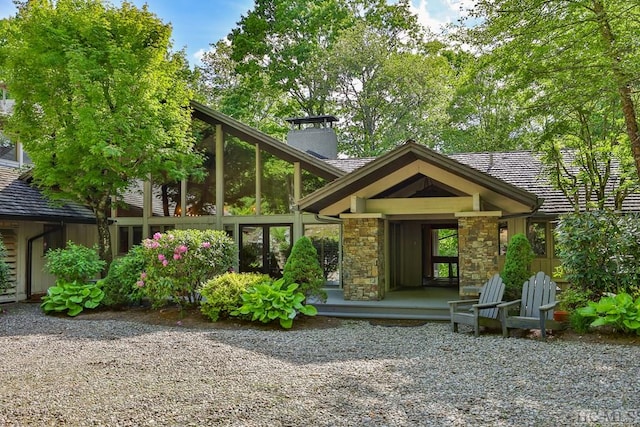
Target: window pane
x=503, y=238
x=538, y=238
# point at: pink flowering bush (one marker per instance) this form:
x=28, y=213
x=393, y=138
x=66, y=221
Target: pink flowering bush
x=179, y=261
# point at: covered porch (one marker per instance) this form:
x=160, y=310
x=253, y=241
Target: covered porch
x=393, y=211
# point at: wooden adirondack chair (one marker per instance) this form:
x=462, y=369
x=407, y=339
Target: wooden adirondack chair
x=536, y=306
x=478, y=311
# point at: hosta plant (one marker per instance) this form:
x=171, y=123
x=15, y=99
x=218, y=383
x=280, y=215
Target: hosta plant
x=274, y=301
x=619, y=311
x=72, y=297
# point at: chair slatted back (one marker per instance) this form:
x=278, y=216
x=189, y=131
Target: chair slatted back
x=538, y=290
x=492, y=291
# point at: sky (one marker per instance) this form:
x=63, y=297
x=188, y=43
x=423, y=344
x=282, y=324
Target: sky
x=199, y=23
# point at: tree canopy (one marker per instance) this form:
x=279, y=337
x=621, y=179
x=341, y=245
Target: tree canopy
x=562, y=54
x=100, y=100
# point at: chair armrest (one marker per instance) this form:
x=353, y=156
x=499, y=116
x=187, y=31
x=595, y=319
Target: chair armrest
x=486, y=305
x=547, y=307
x=509, y=304
x=457, y=303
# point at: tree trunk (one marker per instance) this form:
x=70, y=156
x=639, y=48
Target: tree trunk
x=104, y=234
x=622, y=81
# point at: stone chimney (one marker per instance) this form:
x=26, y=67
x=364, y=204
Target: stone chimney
x=314, y=135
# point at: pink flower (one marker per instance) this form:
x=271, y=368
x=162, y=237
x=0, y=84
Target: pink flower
x=176, y=256
x=161, y=257
x=140, y=283
x=143, y=275
x=181, y=249
x=157, y=236
x=164, y=262
x=154, y=244
x=206, y=245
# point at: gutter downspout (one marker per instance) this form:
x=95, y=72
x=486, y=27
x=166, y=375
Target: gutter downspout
x=29, y=275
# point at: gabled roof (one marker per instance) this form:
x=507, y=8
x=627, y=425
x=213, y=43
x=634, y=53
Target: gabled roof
x=522, y=169
x=267, y=143
x=20, y=201
x=406, y=154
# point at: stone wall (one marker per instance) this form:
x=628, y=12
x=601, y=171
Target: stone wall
x=363, y=277
x=478, y=249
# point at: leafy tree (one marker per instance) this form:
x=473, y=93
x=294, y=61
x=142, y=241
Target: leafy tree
x=386, y=92
x=483, y=115
x=282, y=40
x=517, y=266
x=364, y=60
x=585, y=157
x=586, y=49
x=100, y=100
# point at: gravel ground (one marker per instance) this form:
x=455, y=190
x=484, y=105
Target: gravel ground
x=58, y=371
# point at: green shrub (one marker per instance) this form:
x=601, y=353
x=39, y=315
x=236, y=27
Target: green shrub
x=72, y=297
x=270, y=301
x=572, y=298
x=5, y=277
x=179, y=261
x=121, y=286
x=303, y=268
x=618, y=311
x=517, y=266
x=75, y=263
x=223, y=294
x=600, y=250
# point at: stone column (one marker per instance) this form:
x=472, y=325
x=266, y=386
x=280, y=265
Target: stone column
x=477, y=247
x=363, y=276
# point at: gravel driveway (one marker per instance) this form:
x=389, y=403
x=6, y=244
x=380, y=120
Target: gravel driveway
x=58, y=371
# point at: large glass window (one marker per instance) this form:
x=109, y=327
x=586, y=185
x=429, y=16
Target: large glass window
x=326, y=239
x=264, y=248
x=503, y=238
x=537, y=233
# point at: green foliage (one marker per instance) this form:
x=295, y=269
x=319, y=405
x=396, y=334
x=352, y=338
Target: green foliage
x=223, y=294
x=561, y=56
x=121, y=284
x=179, y=261
x=303, y=268
x=270, y=301
x=100, y=100
x=5, y=278
x=579, y=323
x=619, y=311
x=72, y=297
x=517, y=266
x=74, y=263
x=600, y=250
x=572, y=298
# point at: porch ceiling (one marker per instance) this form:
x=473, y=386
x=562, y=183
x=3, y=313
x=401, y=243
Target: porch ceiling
x=403, y=165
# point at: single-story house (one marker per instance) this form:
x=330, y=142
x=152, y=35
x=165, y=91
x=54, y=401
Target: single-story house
x=408, y=219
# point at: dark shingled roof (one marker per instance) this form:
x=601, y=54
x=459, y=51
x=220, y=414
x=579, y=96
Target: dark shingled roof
x=20, y=201
x=522, y=169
